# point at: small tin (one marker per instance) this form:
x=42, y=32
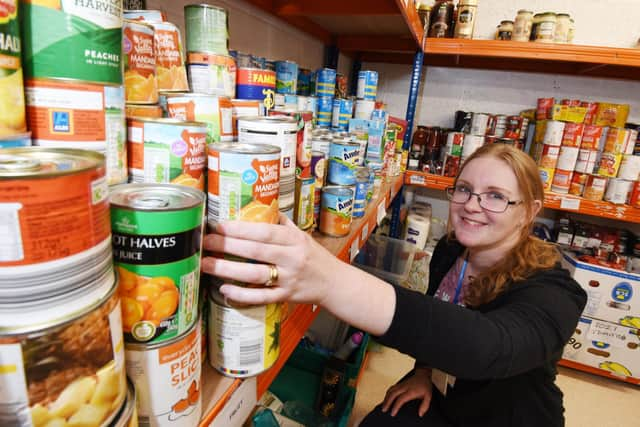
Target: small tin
x=512, y=129
x=618, y=191
x=578, y=181
x=325, y=111
x=609, y=164
x=206, y=29
x=286, y=77
x=304, y=83
x=591, y=137
x=367, y=85
x=364, y=108
x=342, y=112
x=479, y=122
x=567, y=158
x=572, y=134
x=335, y=210
x=594, y=187
x=361, y=189
x=629, y=168
x=586, y=161
x=545, y=108
x=553, y=132
x=325, y=82
x=561, y=181
x=549, y=156
x=343, y=159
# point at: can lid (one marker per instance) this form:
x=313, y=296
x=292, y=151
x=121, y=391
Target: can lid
x=155, y=197
x=268, y=119
x=40, y=162
x=338, y=190
x=244, y=148
x=205, y=6
x=134, y=22
x=525, y=11
x=167, y=121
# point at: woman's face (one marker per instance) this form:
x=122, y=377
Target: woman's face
x=477, y=228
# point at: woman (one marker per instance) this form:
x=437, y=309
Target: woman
x=498, y=312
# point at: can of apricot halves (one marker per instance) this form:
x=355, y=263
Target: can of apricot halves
x=157, y=241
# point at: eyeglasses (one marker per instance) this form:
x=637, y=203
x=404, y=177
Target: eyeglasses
x=492, y=201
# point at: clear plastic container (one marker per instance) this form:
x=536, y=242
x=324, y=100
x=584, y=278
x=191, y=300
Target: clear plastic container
x=386, y=258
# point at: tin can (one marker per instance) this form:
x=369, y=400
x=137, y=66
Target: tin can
x=479, y=122
x=280, y=131
x=138, y=48
x=215, y=111
x=303, y=208
x=243, y=108
x=304, y=139
x=207, y=29
x=157, y=235
x=304, y=83
x=634, y=199
x=212, y=74
x=341, y=86
x=513, y=126
x=618, y=191
x=59, y=112
x=553, y=132
x=451, y=166
x=12, y=107
x=59, y=218
x=572, y=134
x=343, y=160
x=629, y=168
x=70, y=354
x=454, y=144
x=594, y=188
x=254, y=83
x=471, y=144
x=140, y=110
x=546, y=176
x=319, y=167
x=342, y=112
x=367, y=85
x=167, y=151
x=591, y=137
x=545, y=108
x=586, y=161
x=364, y=108
x=549, y=156
x=325, y=82
x=567, y=158
x=336, y=208
x=360, y=192
x=325, y=110
x=171, y=72
x=286, y=77
x=561, y=181
x=592, y=108
x=609, y=164
x=578, y=181
x=167, y=377
x=244, y=182
x=88, y=38
x=617, y=140
x=245, y=340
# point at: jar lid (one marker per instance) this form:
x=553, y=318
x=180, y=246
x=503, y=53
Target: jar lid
x=506, y=22
x=564, y=15
x=468, y=3
x=523, y=11
x=548, y=13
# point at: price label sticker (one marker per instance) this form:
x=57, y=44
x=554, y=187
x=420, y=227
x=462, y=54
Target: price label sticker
x=570, y=203
x=608, y=334
x=355, y=248
x=416, y=180
x=364, y=233
x=382, y=211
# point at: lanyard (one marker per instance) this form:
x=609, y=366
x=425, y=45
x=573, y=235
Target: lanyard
x=460, y=280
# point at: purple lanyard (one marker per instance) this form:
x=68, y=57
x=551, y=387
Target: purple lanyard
x=460, y=280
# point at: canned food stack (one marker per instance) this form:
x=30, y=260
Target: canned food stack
x=588, y=153
x=546, y=27
x=157, y=246
x=323, y=86
x=444, y=20
x=63, y=98
x=60, y=311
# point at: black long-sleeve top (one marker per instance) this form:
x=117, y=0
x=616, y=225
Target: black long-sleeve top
x=503, y=353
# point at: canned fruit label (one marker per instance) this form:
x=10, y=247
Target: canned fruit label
x=157, y=255
x=343, y=159
x=244, y=341
x=216, y=112
x=243, y=186
x=212, y=74
x=163, y=152
x=139, y=63
x=170, y=70
x=168, y=381
x=87, y=34
x=12, y=114
x=335, y=213
x=68, y=375
x=149, y=111
x=52, y=218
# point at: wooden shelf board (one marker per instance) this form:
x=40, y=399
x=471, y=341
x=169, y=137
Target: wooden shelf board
x=596, y=371
x=561, y=202
x=219, y=388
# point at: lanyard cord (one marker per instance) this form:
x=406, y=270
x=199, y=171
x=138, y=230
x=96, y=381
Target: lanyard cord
x=460, y=280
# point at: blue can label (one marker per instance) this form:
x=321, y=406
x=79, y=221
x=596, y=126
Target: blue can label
x=342, y=112
x=325, y=82
x=343, y=160
x=336, y=211
x=325, y=107
x=286, y=77
x=360, y=199
x=304, y=82
x=367, y=85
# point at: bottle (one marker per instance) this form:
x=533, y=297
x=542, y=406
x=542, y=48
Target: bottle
x=347, y=348
x=441, y=19
x=522, y=26
x=466, y=19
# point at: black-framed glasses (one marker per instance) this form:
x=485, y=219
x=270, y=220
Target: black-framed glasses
x=492, y=201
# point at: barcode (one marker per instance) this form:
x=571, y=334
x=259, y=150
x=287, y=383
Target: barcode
x=213, y=208
x=250, y=352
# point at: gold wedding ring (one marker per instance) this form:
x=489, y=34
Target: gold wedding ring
x=273, y=275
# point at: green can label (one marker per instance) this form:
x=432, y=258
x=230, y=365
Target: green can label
x=86, y=33
x=12, y=113
x=157, y=255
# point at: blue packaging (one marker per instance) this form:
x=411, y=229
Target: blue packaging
x=258, y=62
x=15, y=141
x=343, y=161
x=342, y=112
x=361, y=191
x=286, y=77
x=312, y=105
x=291, y=101
x=325, y=109
x=367, y=85
x=304, y=82
x=325, y=82
x=378, y=114
x=375, y=146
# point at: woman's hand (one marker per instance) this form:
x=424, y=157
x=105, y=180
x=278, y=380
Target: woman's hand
x=304, y=267
x=418, y=386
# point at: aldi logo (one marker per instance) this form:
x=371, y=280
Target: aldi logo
x=61, y=121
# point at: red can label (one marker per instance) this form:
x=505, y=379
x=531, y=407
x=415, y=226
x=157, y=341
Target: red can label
x=572, y=135
x=591, y=137
x=545, y=107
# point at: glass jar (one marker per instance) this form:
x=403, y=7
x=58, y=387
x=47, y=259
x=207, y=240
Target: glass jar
x=424, y=12
x=505, y=30
x=535, y=23
x=546, y=28
x=522, y=26
x=466, y=19
x=441, y=19
x=563, y=23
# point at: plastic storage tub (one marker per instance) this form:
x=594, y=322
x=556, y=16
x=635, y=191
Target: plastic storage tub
x=386, y=258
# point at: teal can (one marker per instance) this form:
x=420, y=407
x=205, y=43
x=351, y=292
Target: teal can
x=325, y=82
x=342, y=112
x=343, y=161
x=325, y=110
x=367, y=85
x=286, y=77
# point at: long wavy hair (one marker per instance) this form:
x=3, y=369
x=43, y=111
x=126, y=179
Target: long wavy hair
x=530, y=253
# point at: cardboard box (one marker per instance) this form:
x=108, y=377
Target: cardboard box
x=605, y=345
x=613, y=295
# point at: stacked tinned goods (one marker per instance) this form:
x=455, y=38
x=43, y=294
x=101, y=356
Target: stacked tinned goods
x=547, y=27
x=584, y=149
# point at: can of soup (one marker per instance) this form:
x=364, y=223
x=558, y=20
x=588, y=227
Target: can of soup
x=336, y=209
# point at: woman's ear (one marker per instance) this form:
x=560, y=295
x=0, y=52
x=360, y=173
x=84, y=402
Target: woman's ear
x=535, y=209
